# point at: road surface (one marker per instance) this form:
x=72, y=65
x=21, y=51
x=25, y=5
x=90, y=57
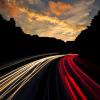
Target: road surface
x=56, y=77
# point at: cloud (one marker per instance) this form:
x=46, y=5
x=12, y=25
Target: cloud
x=58, y=8
x=81, y=12
x=31, y=1
x=47, y=18
x=33, y=16
x=7, y=8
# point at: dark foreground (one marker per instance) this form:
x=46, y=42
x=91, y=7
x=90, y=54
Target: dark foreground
x=56, y=77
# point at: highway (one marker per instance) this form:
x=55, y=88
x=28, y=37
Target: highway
x=54, y=77
x=77, y=84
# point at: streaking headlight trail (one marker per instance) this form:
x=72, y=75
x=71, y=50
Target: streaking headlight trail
x=45, y=79
x=20, y=76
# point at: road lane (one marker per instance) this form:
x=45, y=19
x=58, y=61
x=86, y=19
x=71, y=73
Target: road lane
x=47, y=79
x=76, y=81
x=20, y=76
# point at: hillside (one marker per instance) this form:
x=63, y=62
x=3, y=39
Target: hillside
x=88, y=41
x=14, y=43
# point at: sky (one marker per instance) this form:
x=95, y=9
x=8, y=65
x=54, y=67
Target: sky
x=61, y=19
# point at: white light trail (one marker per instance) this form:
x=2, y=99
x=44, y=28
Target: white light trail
x=16, y=79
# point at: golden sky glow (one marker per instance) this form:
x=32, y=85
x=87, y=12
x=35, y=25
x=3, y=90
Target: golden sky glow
x=62, y=20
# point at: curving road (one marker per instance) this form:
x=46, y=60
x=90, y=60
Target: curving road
x=56, y=77
x=77, y=84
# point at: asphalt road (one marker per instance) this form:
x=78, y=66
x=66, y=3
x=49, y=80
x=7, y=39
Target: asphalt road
x=56, y=77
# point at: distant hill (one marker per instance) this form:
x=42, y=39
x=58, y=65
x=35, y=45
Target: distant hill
x=88, y=41
x=87, y=44
x=14, y=43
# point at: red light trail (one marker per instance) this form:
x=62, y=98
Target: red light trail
x=76, y=81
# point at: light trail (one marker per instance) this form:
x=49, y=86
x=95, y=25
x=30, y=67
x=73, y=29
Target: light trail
x=59, y=80
x=77, y=84
x=24, y=60
x=14, y=80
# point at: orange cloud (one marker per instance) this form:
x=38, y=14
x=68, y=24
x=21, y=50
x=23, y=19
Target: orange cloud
x=30, y=1
x=13, y=10
x=9, y=8
x=58, y=8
